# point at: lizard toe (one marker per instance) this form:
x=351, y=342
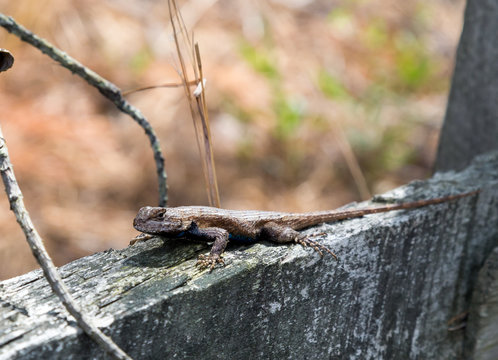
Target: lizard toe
x=209, y=261
x=140, y=238
x=315, y=245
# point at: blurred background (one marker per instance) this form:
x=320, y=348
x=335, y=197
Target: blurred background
x=313, y=104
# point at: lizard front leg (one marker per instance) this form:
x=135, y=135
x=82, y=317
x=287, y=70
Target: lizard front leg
x=219, y=237
x=284, y=234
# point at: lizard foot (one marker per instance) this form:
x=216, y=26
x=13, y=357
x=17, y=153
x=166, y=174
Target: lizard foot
x=315, y=245
x=140, y=238
x=209, y=261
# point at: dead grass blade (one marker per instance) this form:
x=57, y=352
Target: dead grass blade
x=196, y=100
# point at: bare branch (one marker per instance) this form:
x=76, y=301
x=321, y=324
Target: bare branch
x=105, y=87
x=40, y=253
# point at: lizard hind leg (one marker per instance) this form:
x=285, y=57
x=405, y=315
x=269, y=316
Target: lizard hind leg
x=284, y=234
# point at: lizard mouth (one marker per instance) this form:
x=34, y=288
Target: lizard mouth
x=158, y=227
x=154, y=221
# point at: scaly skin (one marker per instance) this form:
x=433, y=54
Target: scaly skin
x=215, y=225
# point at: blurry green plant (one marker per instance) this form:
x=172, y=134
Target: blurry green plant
x=395, y=62
x=382, y=148
x=397, y=55
x=289, y=114
x=141, y=60
x=393, y=151
x=412, y=64
x=376, y=34
x=341, y=18
x=260, y=60
x=331, y=86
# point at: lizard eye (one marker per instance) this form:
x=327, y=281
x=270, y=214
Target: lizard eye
x=160, y=215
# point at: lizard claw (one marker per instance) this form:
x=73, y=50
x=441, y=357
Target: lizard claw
x=140, y=238
x=209, y=261
x=315, y=245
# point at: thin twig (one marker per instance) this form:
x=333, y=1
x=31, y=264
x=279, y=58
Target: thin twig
x=352, y=162
x=167, y=85
x=40, y=253
x=105, y=87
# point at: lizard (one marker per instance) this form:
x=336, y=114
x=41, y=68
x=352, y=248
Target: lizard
x=219, y=226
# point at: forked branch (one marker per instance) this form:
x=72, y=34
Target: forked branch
x=105, y=87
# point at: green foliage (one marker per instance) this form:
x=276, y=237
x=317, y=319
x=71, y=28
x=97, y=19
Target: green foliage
x=413, y=65
x=260, y=60
x=289, y=114
x=341, y=19
x=331, y=86
x=376, y=34
x=141, y=60
x=394, y=151
x=387, y=152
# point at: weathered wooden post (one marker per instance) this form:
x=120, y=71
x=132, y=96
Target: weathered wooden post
x=401, y=276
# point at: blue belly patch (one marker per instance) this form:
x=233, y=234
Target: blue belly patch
x=241, y=239
x=235, y=238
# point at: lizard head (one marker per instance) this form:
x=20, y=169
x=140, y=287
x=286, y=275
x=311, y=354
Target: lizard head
x=159, y=220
